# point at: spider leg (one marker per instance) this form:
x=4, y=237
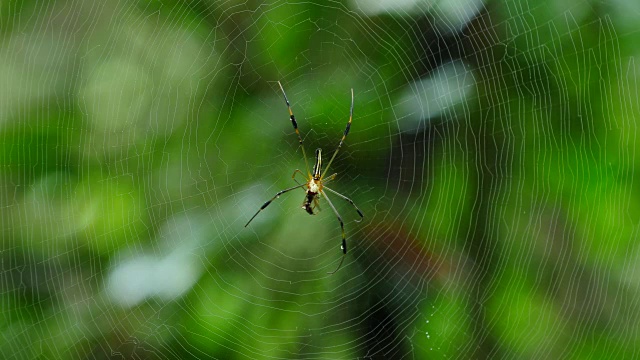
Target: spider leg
x=344, y=240
x=330, y=178
x=350, y=202
x=295, y=127
x=294, y=176
x=316, y=204
x=346, y=132
x=273, y=198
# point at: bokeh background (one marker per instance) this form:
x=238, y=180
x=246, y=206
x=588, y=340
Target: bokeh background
x=493, y=153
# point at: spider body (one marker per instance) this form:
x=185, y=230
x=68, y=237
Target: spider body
x=314, y=185
x=314, y=181
x=311, y=197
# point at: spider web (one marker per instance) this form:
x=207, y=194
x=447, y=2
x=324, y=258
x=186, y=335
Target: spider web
x=492, y=152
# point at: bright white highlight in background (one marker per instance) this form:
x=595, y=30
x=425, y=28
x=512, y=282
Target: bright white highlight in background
x=168, y=276
x=453, y=15
x=437, y=95
x=450, y=15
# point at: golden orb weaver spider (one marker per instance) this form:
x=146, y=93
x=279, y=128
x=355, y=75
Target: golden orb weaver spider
x=314, y=182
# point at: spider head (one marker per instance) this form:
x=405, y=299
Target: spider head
x=314, y=186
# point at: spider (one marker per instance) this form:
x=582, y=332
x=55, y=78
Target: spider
x=315, y=183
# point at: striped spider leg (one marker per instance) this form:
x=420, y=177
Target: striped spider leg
x=315, y=181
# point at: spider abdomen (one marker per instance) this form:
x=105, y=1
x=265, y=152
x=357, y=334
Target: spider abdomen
x=308, y=200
